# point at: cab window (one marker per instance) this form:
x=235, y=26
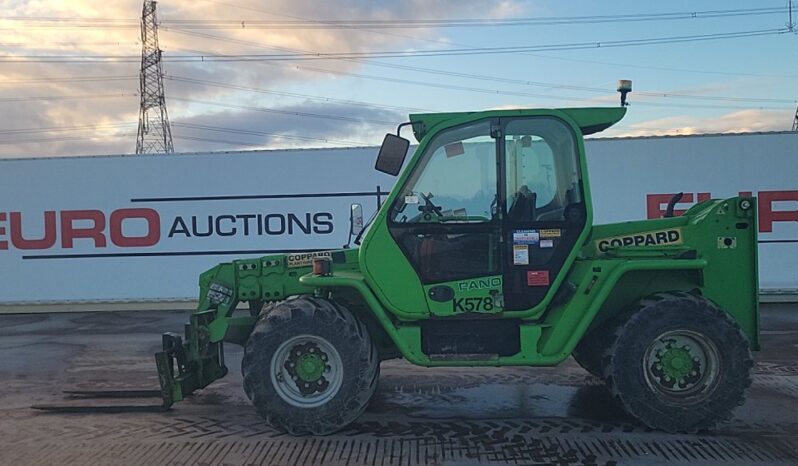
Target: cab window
x=542, y=174
x=455, y=180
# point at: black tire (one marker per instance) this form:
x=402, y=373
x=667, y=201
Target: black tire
x=255, y=307
x=654, y=370
x=590, y=351
x=323, y=321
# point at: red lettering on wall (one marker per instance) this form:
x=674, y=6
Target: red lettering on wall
x=3, y=244
x=657, y=204
x=704, y=197
x=766, y=213
x=69, y=233
x=45, y=242
x=153, y=228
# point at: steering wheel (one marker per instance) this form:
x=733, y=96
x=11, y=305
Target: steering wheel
x=429, y=207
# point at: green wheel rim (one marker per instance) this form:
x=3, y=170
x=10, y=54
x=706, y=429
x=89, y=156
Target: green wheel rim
x=682, y=366
x=306, y=371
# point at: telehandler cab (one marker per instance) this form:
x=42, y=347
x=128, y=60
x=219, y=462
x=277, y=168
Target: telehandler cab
x=485, y=254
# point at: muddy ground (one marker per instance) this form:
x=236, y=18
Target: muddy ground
x=523, y=416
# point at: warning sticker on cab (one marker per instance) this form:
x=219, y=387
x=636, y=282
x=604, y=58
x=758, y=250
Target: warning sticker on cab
x=550, y=233
x=647, y=238
x=526, y=237
x=537, y=278
x=304, y=259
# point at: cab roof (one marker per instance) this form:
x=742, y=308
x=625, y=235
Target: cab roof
x=590, y=119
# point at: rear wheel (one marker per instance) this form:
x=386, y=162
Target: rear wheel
x=310, y=366
x=679, y=363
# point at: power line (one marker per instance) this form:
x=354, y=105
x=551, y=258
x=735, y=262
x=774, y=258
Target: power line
x=193, y=126
x=64, y=79
x=449, y=43
x=22, y=131
x=27, y=131
x=433, y=84
x=487, y=50
x=65, y=97
x=288, y=112
x=72, y=43
x=406, y=23
x=492, y=91
x=66, y=139
x=442, y=72
x=469, y=23
x=489, y=91
x=263, y=133
x=442, y=86
x=403, y=67
x=400, y=53
x=53, y=129
x=519, y=94
x=218, y=141
x=480, y=77
x=288, y=94
x=717, y=72
x=666, y=68
x=725, y=107
x=572, y=87
x=301, y=114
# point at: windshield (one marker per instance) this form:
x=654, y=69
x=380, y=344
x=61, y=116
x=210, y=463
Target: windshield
x=455, y=179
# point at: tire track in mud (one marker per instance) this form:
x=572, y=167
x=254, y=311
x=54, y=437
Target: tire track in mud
x=410, y=422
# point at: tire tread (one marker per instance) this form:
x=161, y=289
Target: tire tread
x=636, y=318
x=278, y=322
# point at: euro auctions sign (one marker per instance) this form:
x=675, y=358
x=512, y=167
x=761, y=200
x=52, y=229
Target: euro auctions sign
x=142, y=228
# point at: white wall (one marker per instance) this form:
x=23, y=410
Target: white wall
x=235, y=188
x=624, y=171
x=176, y=187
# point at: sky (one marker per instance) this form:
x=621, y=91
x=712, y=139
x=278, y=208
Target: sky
x=69, y=69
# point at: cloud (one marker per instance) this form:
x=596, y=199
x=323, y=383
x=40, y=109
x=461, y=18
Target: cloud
x=346, y=125
x=742, y=121
x=94, y=104
x=98, y=103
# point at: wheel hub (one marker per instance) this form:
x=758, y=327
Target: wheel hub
x=310, y=368
x=306, y=364
x=677, y=365
x=307, y=371
x=681, y=364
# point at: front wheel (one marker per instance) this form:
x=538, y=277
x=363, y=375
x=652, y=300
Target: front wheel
x=679, y=363
x=310, y=366
x=589, y=353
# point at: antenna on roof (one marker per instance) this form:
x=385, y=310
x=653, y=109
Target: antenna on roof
x=624, y=87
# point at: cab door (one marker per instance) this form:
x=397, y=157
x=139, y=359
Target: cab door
x=543, y=205
x=447, y=221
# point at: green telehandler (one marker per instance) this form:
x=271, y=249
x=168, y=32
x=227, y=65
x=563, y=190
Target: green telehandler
x=485, y=254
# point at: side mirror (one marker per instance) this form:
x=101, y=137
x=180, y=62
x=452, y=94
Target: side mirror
x=392, y=154
x=355, y=220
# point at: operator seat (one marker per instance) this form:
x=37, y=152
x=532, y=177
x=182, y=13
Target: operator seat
x=523, y=206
